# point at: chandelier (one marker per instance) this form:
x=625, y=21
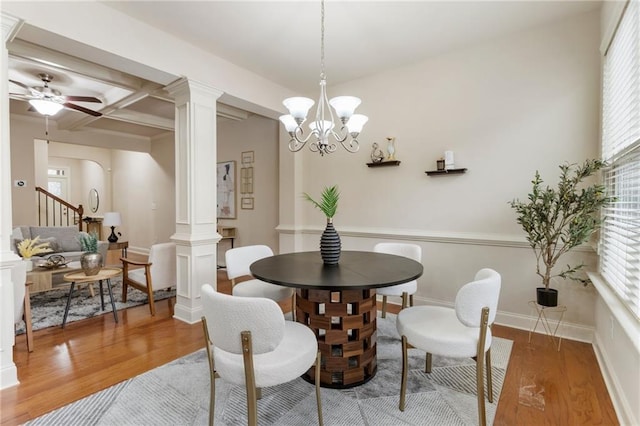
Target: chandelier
x=324, y=125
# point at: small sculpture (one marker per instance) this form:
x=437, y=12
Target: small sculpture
x=391, y=148
x=376, y=153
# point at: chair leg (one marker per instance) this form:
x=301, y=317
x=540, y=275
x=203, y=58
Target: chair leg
x=489, y=376
x=124, y=288
x=480, y=358
x=405, y=367
x=404, y=299
x=27, y=319
x=249, y=378
x=411, y=300
x=384, y=306
x=318, y=400
x=212, y=372
x=152, y=305
x=293, y=306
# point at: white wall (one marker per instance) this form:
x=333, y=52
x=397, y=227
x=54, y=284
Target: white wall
x=506, y=108
x=260, y=135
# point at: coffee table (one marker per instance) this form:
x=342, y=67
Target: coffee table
x=339, y=304
x=105, y=274
x=43, y=278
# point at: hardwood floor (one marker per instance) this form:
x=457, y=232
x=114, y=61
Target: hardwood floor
x=565, y=387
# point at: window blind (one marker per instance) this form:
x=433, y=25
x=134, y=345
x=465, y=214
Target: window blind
x=620, y=234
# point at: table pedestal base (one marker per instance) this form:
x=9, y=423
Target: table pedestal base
x=344, y=323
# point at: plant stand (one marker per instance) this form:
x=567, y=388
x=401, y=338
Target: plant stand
x=543, y=318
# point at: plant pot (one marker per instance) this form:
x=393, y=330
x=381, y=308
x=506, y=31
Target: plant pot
x=29, y=264
x=91, y=263
x=546, y=296
x=330, y=245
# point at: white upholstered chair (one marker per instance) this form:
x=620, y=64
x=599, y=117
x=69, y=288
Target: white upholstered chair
x=239, y=260
x=22, y=305
x=249, y=343
x=159, y=272
x=460, y=332
x=412, y=251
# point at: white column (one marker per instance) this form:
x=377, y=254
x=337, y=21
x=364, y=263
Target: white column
x=196, y=235
x=8, y=370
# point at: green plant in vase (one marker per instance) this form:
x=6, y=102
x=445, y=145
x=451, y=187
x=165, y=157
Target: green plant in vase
x=330, y=245
x=556, y=220
x=91, y=260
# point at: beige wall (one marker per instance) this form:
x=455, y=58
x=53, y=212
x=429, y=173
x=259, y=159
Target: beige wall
x=506, y=108
x=260, y=135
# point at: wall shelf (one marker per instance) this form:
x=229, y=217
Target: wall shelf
x=445, y=172
x=384, y=163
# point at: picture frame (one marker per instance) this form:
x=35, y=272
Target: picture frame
x=246, y=203
x=226, y=190
x=247, y=157
x=246, y=180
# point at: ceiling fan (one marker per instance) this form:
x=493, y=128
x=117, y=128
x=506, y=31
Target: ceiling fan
x=48, y=101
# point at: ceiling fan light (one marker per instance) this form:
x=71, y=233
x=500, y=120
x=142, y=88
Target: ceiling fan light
x=298, y=107
x=45, y=107
x=345, y=105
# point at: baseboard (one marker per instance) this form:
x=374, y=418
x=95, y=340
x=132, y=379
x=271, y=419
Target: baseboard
x=9, y=376
x=623, y=411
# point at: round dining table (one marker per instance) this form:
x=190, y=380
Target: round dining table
x=338, y=303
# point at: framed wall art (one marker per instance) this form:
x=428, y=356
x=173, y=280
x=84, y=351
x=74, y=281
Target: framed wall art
x=247, y=203
x=246, y=180
x=226, y=189
x=247, y=157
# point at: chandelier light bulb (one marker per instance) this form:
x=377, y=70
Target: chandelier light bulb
x=344, y=106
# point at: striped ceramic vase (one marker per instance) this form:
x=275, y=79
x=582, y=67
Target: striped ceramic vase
x=330, y=244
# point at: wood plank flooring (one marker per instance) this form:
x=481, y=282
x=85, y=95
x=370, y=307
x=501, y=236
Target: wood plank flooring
x=542, y=387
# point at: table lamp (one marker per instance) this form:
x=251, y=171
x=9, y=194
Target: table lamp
x=112, y=219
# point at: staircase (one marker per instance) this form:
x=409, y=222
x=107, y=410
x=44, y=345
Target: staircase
x=55, y=211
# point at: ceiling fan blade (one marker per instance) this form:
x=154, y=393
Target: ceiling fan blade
x=82, y=109
x=20, y=84
x=83, y=99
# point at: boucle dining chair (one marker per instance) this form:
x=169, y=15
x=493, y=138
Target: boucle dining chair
x=238, y=261
x=22, y=300
x=460, y=332
x=159, y=272
x=405, y=290
x=249, y=343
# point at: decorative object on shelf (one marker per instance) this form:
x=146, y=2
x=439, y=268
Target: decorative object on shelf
x=323, y=127
x=376, y=153
x=226, y=187
x=449, y=164
x=557, y=220
x=112, y=219
x=445, y=172
x=330, y=245
x=91, y=260
x=440, y=164
x=391, y=148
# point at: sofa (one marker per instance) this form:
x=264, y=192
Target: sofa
x=63, y=240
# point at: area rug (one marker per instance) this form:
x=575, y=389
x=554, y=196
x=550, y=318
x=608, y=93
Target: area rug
x=47, y=308
x=177, y=393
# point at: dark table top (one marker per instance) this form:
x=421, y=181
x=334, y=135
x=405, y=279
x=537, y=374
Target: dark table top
x=356, y=270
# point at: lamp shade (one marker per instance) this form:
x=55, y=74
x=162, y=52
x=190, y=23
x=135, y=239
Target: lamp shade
x=298, y=106
x=112, y=219
x=46, y=107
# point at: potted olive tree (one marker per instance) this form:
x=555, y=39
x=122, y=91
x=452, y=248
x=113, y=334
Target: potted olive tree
x=330, y=245
x=556, y=220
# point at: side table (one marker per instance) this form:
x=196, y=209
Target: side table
x=543, y=318
x=105, y=274
x=120, y=245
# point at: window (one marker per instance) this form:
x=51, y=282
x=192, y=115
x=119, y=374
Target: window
x=620, y=236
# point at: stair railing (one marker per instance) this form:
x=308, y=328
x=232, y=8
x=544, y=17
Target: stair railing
x=55, y=211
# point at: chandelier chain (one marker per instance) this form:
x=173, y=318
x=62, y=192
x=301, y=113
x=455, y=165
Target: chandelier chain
x=322, y=74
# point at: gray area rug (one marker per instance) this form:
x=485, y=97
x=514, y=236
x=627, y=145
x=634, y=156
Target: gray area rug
x=177, y=393
x=47, y=308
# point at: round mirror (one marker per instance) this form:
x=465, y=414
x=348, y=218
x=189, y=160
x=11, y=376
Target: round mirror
x=94, y=200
